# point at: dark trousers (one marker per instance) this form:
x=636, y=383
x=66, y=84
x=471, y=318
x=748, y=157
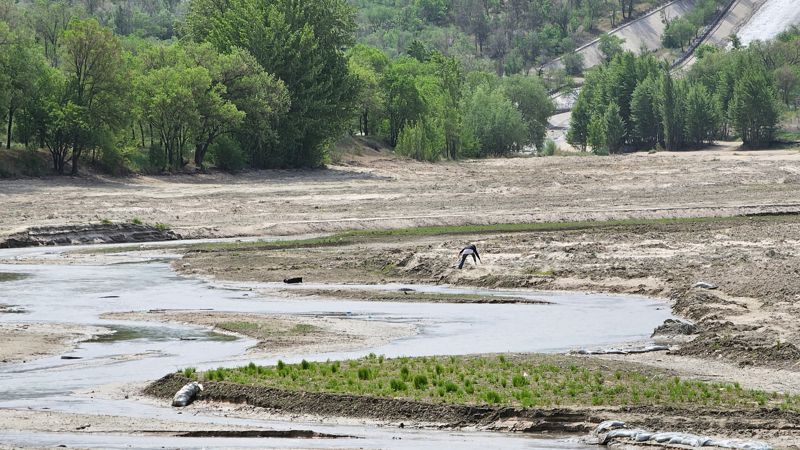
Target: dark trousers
x=464, y=258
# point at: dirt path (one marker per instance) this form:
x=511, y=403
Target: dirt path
x=378, y=191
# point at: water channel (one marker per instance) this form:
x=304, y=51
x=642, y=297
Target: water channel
x=80, y=293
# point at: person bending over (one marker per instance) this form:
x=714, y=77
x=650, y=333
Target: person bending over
x=469, y=250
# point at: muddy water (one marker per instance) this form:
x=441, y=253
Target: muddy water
x=79, y=294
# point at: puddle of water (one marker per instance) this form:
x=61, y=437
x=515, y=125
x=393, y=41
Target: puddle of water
x=395, y=440
x=155, y=334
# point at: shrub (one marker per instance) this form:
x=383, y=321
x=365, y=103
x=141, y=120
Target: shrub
x=573, y=63
x=227, y=154
x=156, y=158
x=550, y=148
x=492, y=397
x=420, y=382
x=398, y=385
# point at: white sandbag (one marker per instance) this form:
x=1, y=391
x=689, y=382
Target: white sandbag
x=187, y=394
x=608, y=425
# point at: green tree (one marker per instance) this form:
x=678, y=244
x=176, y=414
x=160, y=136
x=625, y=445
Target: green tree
x=302, y=43
x=573, y=63
x=610, y=46
x=368, y=64
x=614, y=128
x=646, y=112
x=671, y=113
x=423, y=140
x=701, y=117
x=596, y=134
x=754, y=109
x=168, y=95
x=96, y=84
x=451, y=83
x=787, y=81
x=498, y=126
x=529, y=96
x=20, y=66
x=678, y=33
x=404, y=101
x=50, y=19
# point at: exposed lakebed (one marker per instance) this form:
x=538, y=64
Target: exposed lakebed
x=138, y=351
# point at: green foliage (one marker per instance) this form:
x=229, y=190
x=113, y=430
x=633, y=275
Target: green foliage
x=645, y=114
x=302, y=44
x=398, y=385
x=420, y=382
x=505, y=37
x=550, y=148
x=702, y=117
x=227, y=154
x=573, y=63
x=156, y=158
x=754, y=108
x=498, y=125
x=678, y=33
x=681, y=30
x=614, y=129
x=611, y=46
x=539, y=381
x=189, y=372
x=423, y=141
x=528, y=95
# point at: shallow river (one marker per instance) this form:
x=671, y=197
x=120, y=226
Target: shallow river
x=79, y=294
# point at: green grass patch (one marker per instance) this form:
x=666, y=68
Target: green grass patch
x=351, y=237
x=497, y=380
x=356, y=236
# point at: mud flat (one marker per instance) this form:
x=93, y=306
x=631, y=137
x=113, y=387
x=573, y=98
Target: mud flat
x=380, y=191
x=103, y=233
x=409, y=296
x=280, y=335
x=750, y=320
x=27, y=341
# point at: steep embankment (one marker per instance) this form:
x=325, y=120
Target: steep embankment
x=644, y=32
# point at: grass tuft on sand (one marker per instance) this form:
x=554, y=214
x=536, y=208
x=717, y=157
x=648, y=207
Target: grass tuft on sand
x=523, y=381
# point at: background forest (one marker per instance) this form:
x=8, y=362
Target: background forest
x=165, y=85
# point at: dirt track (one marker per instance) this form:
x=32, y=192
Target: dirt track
x=376, y=191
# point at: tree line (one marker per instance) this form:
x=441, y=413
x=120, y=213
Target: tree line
x=428, y=107
x=252, y=83
x=635, y=102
